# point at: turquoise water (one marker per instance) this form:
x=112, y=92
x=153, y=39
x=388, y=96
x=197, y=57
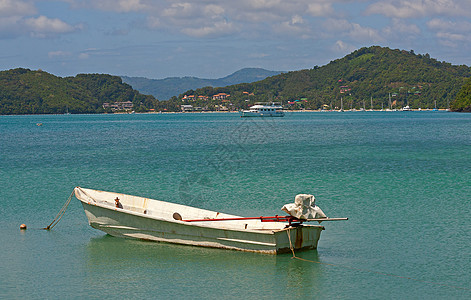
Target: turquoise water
x=402, y=178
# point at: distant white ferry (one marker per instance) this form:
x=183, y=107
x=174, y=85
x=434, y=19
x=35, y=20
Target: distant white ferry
x=264, y=110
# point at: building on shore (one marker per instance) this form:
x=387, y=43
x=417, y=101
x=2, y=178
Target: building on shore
x=119, y=106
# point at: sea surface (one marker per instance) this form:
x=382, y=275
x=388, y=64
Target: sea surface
x=402, y=178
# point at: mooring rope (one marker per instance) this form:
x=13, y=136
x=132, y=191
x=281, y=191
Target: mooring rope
x=370, y=271
x=60, y=213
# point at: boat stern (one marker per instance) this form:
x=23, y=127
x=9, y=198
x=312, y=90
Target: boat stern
x=304, y=237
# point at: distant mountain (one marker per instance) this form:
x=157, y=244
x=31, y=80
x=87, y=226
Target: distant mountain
x=166, y=88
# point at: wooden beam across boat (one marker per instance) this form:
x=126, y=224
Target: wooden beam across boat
x=327, y=219
x=269, y=219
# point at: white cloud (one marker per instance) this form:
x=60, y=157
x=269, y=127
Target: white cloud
x=400, y=26
x=337, y=25
x=10, y=8
x=451, y=33
x=296, y=27
x=215, y=29
x=452, y=36
x=271, y=18
x=193, y=19
x=12, y=14
x=278, y=10
x=263, y=4
x=214, y=10
x=181, y=10
x=420, y=8
x=18, y=18
x=321, y=8
x=121, y=6
x=43, y=26
x=354, y=31
x=200, y=18
x=54, y=54
x=361, y=33
x=399, y=30
x=297, y=20
x=440, y=25
x=342, y=47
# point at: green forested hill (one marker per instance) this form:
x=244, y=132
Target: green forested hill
x=368, y=73
x=463, y=99
x=23, y=91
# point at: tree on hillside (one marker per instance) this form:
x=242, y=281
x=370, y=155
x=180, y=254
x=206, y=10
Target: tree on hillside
x=462, y=102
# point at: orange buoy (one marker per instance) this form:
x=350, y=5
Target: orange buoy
x=23, y=226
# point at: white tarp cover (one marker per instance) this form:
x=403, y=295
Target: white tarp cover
x=304, y=207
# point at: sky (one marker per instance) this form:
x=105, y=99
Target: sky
x=214, y=38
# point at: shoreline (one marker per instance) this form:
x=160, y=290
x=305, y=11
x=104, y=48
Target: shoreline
x=234, y=112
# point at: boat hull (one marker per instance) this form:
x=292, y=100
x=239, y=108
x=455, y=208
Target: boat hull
x=130, y=224
x=263, y=110
x=260, y=114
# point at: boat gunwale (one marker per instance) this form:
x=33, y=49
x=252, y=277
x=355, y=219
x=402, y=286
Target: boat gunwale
x=208, y=224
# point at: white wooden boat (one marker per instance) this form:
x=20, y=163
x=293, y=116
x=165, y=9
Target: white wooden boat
x=147, y=219
x=264, y=110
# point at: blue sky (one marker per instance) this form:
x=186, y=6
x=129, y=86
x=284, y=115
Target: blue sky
x=214, y=38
